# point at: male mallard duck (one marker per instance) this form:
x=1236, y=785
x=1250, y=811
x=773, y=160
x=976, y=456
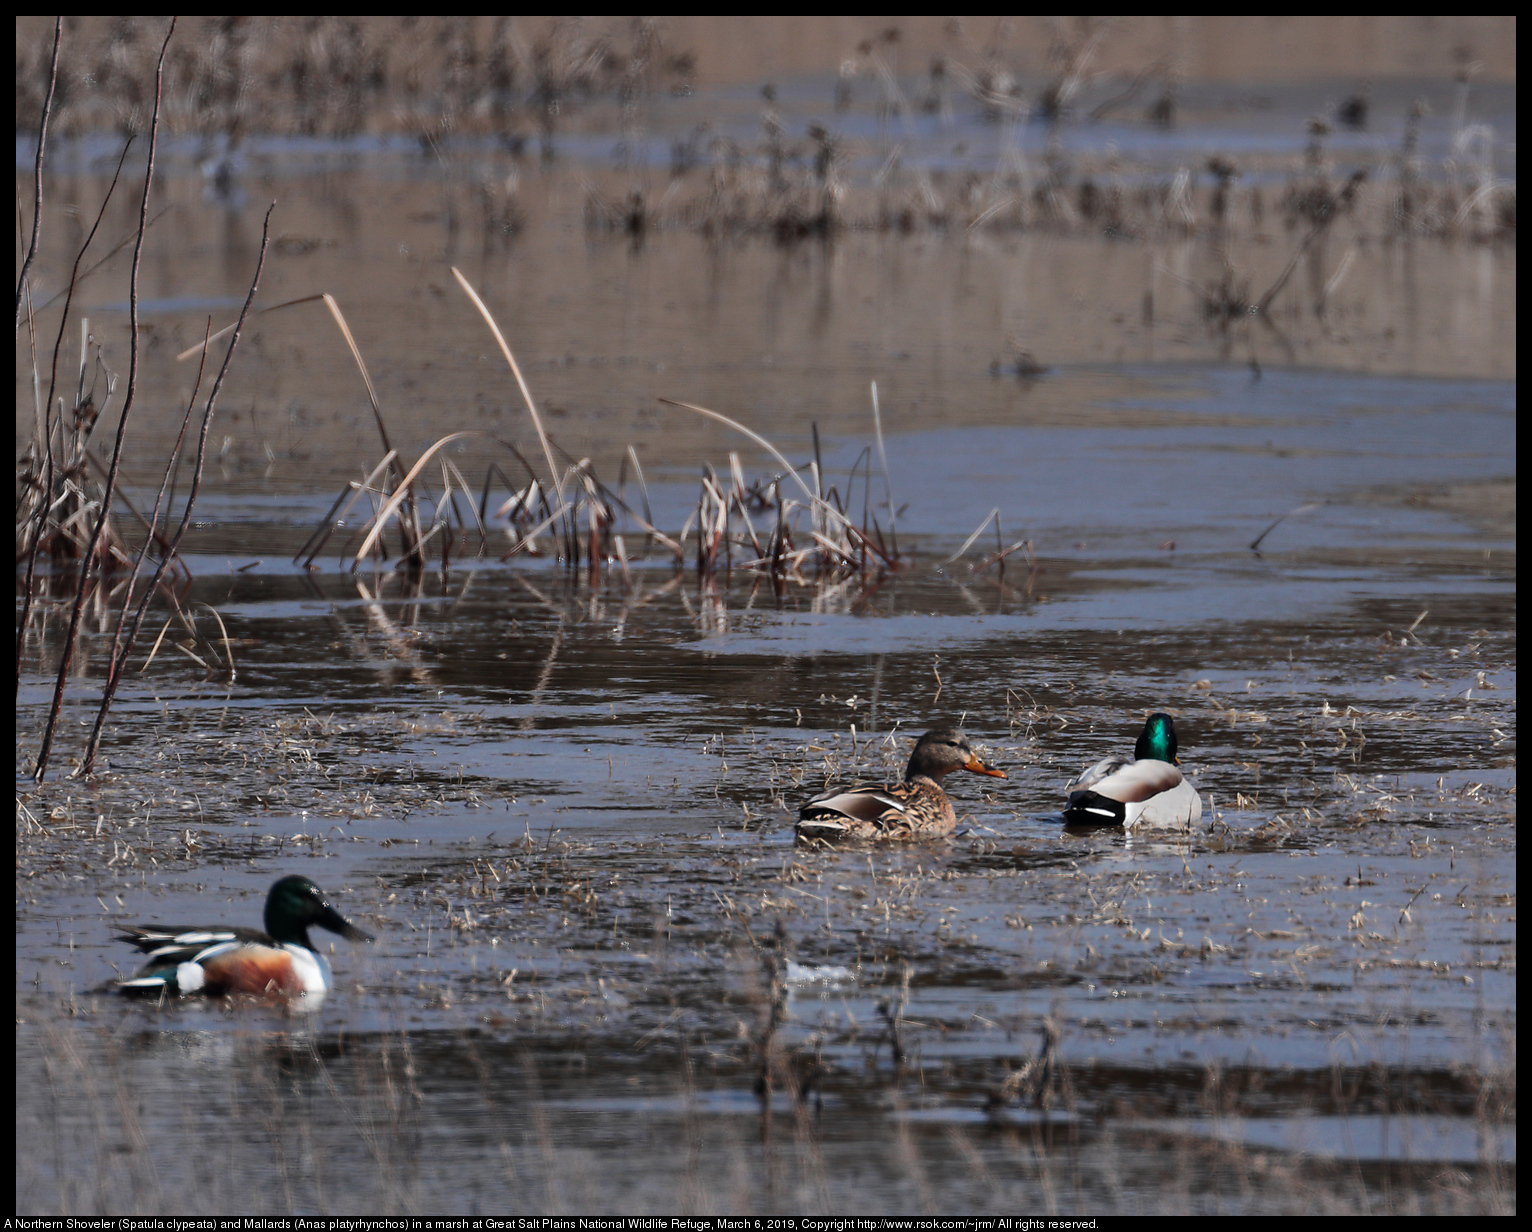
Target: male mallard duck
x=914, y=808
x=280, y=961
x=1148, y=791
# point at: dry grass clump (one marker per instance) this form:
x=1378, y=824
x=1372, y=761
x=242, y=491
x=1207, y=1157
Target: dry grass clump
x=821, y=183
x=59, y=479
x=833, y=544
x=567, y=511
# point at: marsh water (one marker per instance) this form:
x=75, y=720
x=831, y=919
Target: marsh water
x=563, y=802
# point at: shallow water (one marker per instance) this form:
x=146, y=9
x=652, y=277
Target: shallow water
x=567, y=815
x=566, y=808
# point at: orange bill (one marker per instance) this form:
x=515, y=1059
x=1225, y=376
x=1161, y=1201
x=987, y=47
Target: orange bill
x=978, y=767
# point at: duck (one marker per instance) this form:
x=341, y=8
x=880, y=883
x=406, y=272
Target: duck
x=915, y=808
x=220, y=961
x=1148, y=790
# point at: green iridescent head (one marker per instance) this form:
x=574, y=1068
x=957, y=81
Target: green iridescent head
x=1158, y=740
x=295, y=903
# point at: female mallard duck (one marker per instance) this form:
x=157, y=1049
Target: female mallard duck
x=915, y=808
x=1147, y=791
x=281, y=961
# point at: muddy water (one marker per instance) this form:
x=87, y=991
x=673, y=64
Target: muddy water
x=565, y=807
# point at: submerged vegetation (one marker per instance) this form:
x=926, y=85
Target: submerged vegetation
x=786, y=1022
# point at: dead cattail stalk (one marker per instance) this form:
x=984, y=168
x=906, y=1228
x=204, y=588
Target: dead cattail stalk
x=341, y=509
x=992, y=516
x=409, y=527
x=516, y=372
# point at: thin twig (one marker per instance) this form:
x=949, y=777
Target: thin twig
x=117, y=656
x=37, y=168
x=1333, y=207
x=45, y=492
x=66, y=658
x=88, y=761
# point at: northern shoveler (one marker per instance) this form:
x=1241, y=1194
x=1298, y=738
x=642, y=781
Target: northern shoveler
x=218, y=961
x=915, y=808
x=1147, y=791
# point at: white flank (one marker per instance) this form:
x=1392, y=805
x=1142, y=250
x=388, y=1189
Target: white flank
x=312, y=970
x=1181, y=806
